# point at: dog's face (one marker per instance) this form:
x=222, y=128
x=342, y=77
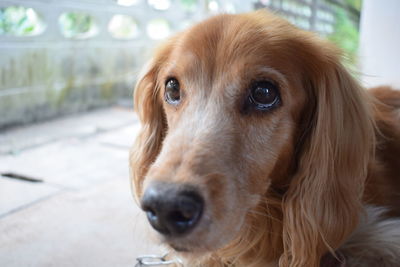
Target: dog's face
x=231, y=108
x=222, y=107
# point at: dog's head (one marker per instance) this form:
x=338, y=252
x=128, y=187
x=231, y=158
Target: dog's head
x=241, y=108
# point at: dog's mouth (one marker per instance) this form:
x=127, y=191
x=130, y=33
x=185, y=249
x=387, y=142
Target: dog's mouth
x=179, y=248
x=195, y=242
x=202, y=241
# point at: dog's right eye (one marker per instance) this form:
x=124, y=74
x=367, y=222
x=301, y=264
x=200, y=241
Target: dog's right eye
x=172, y=91
x=264, y=95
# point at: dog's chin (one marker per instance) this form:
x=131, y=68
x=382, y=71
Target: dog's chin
x=197, y=245
x=189, y=254
x=192, y=245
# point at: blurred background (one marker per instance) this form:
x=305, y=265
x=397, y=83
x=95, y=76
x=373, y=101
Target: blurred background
x=67, y=70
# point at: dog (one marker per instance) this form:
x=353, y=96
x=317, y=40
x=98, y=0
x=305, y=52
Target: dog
x=259, y=148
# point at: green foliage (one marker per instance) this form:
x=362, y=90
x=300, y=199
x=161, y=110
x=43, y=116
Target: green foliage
x=76, y=25
x=123, y=27
x=356, y=4
x=189, y=5
x=20, y=21
x=346, y=35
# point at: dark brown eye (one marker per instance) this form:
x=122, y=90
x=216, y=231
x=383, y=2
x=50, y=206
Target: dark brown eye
x=172, y=91
x=264, y=95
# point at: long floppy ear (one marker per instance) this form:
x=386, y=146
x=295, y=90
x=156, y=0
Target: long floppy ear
x=322, y=205
x=148, y=106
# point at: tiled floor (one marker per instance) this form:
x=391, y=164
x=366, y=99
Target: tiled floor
x=82, y=214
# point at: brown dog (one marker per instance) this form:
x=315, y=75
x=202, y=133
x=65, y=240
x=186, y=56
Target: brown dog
x=258, y=148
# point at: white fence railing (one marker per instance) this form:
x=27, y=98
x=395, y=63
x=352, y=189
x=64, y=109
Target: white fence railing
x=313, y=15
x=49, y=74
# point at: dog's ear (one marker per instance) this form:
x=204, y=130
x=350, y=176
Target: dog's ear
x=322, y=204
x=148, y=106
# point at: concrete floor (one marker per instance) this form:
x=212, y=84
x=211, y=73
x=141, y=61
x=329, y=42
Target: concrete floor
x=82, y=213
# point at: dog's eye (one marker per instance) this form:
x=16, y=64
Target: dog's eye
x=172, y=91
x=264, y=95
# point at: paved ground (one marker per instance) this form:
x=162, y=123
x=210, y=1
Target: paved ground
x=82, y=212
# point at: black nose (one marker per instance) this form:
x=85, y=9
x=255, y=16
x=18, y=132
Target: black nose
x=171, y=209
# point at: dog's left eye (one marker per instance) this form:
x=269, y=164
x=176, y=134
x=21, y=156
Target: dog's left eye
x=172, y=91
x=264, y=95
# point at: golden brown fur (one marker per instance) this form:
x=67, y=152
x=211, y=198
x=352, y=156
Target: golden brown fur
x=283, y=187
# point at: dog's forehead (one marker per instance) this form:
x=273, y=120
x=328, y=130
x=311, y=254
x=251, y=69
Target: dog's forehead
x=228, y=44
x=224, y=38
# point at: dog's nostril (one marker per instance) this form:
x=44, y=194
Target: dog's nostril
x=155, y=221
x=181, y=217
x=151, y=215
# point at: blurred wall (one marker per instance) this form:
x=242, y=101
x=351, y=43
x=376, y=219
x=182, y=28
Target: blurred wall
x=47, y=74
x=380, y=43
